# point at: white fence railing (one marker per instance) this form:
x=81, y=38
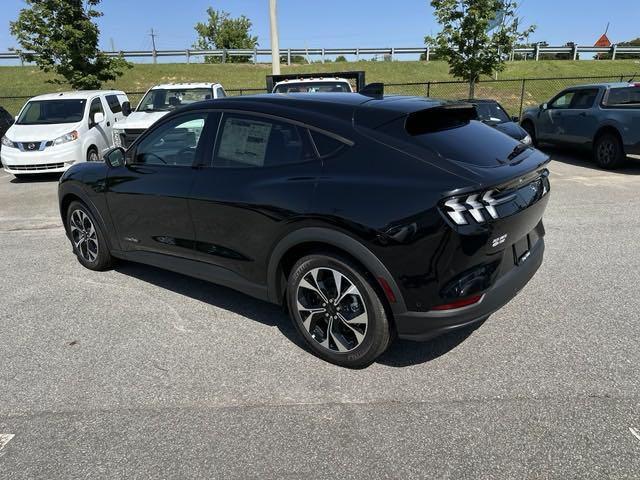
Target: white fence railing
x=534, y=52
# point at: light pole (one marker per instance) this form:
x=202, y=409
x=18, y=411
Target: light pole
x=275, y=48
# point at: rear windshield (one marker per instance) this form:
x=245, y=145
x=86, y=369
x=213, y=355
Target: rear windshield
x=313, y=87
x=473, y=143
x=623, y=96
x=42, y=112
x=163, y=100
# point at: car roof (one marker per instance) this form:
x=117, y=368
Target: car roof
x=76, y=95
x=601, y=85
x=172, y=86
x=323, y=111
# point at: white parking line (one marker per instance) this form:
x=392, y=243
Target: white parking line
x=634, y=432
x=5, y=438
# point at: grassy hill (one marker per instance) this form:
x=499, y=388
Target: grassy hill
x=29, y=80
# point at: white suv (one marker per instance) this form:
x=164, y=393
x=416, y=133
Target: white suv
x=157, y=102
x=54, y=131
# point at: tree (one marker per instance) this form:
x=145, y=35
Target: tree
x=621, y=56
x=223, y=32
x=61, y=37
x=466, y=41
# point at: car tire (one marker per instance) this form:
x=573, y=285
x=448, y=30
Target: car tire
x=531, y=131
x=337, y=310
x=608, y=151
x=87, y=238
x=93, y=155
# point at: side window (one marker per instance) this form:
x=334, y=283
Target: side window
x=623, y=96
x=326, y=145
x=114, y=103
x=220, y=92
x=563, y=101
x=245, y=141
x=174, y=143
x=584, y=99
x=96, y=107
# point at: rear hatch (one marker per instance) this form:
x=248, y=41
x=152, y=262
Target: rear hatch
x=497, y=203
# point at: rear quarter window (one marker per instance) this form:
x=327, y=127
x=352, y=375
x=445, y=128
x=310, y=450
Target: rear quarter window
x=326, y=145
x=623, y=97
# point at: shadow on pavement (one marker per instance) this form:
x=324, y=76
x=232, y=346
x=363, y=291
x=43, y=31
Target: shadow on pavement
x=583, y=159
x=400, y=354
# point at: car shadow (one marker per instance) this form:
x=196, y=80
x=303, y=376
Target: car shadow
x=583, y=159
x=400, y=353
x=39, y=178
x=404, y=353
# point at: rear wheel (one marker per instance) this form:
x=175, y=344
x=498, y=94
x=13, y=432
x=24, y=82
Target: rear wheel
x=608, y=151
x=337, y=311
x=531, y=131
x=87, y=238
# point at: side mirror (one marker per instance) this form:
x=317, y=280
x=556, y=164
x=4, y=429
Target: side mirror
x=544, y=106
x=126, y=108
x=515, y=119
x=115, y=157
x=15, y=119
x=98, y=117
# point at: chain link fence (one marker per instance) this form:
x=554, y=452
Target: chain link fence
x=514, y=94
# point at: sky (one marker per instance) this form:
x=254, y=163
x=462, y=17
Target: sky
x=338, y=23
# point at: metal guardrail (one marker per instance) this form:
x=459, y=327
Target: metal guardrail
x=534, y=51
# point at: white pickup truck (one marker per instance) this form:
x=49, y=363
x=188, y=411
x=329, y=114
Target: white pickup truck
x=156, y=103
x=339, y=82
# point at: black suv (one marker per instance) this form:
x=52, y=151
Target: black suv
x=367, y=217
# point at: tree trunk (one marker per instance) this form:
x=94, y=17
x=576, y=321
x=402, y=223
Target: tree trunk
x=472, y=88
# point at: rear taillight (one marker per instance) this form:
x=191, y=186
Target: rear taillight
x=480, y=206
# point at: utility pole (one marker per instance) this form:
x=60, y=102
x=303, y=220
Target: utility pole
x=275, y=48
x=153, y=43
x=113, y=45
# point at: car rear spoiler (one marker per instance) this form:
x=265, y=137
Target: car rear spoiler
x=357, y=76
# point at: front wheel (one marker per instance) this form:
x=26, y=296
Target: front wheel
x=608, y=151
x=92, y=155
x=87, y=238
x=337, y=311
x=531, y=131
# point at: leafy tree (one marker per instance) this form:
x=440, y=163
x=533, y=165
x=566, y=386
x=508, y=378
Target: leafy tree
x=61, y=37
x=465, y=41
x=341, y=59
x=621, y=56
x=223, y=32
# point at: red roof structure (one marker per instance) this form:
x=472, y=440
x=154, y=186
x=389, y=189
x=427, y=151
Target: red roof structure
x=603, y=41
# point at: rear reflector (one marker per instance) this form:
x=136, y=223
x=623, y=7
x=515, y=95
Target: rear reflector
x=465, y=302
x=387, y=290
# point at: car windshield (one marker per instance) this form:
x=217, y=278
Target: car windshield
x=42, y=112
x=163, y=100
x=313, y=87
x=491, y=112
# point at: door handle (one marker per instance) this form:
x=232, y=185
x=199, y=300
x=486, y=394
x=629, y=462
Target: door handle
x=583, y=114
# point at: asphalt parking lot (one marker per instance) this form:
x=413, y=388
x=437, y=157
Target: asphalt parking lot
x=138, y=373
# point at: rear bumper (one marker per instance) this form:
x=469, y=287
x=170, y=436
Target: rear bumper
x=422, y=326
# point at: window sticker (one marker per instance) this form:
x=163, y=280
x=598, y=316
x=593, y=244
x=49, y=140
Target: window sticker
x=245, y=141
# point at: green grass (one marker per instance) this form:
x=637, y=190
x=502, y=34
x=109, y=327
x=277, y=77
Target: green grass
x=29, y=80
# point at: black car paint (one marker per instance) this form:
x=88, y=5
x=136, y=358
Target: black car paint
x=377, y=201
x=6, y=120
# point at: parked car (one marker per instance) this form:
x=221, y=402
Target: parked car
x=54, y=131
x=333, y=82
x=367, y=217
x=604, y=118
x=6, y=120
x=157, y=102
x=494, y=115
